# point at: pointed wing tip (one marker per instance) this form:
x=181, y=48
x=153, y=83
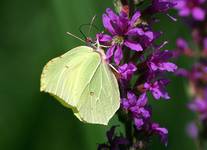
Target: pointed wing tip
x=97, y=123
x=105, y=123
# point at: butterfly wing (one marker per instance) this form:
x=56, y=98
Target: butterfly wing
x=102, y=97
x=66, y=76
x=80, y=80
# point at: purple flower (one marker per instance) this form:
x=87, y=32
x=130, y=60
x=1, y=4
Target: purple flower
x=114, y=142
x=199, y=105
x=138, y=123
x=192, y=130
x=182, y=72
x=158, y=89
x=181, y=43
x=161, y=6
x=191, y=7
x=162, y=132
x=138, y=108
x=127, y=70
x=123, y=33
x=159, y=61
x=182, y=48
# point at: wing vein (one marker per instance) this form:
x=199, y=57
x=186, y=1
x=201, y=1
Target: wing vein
x=90, y=81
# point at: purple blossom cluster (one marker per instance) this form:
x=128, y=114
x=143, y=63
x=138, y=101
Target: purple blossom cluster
x=140, y=111
x=141, y=65
x=194, y=14
x=195, y=8
x=197, y=78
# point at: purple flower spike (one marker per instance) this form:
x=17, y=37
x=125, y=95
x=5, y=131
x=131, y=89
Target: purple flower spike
x=141, y=64
x=158, y=89
x=127, y=70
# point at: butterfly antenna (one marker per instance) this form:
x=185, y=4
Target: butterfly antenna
x=91, y=24
x=75, y=37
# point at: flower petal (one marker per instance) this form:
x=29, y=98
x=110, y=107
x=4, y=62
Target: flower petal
x=118, y=55
x=111, y=14
x=184, y=12
x=131, y=98
x=150, y=35
x=110, y=52
x=153, y=66
x=163, y=66
x=192, y=130
x=125, y=103
x=145, y=113
x=181, y=43
x=142, y=100
x=168, y=66
x=107, y=24
x=104, y=38
x=135, y=17
x=134, y=46
x=138, y=122
x=135, y=31
x=198, y=13
x=180, y=4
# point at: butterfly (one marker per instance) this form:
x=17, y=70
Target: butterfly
x=82, y=79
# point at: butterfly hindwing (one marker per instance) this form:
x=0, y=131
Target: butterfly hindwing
x=102, y=96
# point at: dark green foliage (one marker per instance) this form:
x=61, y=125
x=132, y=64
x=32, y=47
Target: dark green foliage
x=31, y=33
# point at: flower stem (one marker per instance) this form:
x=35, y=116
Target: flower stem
x=131, y=7
x=128, y=130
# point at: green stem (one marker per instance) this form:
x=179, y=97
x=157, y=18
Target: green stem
x=131, y=7
x=128, y=130
x=198, y=146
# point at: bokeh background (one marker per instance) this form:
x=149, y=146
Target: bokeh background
x=31, y=33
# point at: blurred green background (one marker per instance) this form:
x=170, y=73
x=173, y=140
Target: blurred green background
x=31, y=33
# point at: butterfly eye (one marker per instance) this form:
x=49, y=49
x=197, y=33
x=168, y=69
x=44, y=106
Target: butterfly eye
x=89, y=40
